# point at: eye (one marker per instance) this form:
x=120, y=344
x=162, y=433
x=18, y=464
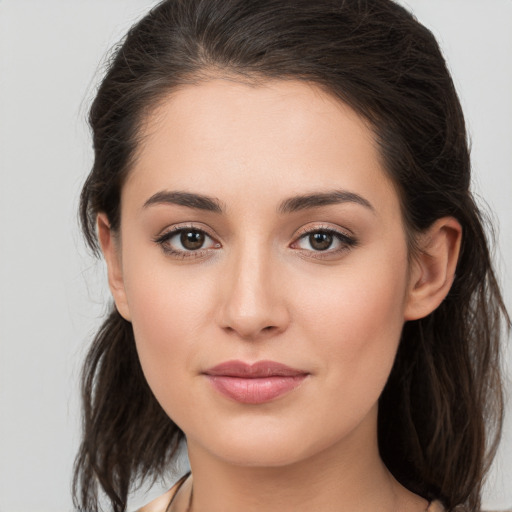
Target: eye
x=324, y=240
x=191, y=240
x=185, y=242
x=319, y=241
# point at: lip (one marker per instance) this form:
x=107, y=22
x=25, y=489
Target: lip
x=256, y=383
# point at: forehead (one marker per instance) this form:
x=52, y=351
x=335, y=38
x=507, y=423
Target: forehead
x=232, y=139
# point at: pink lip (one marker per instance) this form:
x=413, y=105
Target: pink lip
x=254, y=383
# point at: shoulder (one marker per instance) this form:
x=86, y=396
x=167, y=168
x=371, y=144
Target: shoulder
x=161, y=504
x=435, y=506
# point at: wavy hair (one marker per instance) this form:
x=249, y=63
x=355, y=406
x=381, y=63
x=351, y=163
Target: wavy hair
x=440, y=413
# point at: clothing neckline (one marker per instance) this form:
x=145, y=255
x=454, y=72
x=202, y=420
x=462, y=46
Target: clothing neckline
x=177, y=487
x=433, y=505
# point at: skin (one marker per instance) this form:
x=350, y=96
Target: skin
x=258, y=289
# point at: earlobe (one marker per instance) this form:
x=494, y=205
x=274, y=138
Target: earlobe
x=111, y=253
x=433, y=269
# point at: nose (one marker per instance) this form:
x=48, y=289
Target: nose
x=253, y=298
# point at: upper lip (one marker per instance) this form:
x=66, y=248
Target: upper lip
x=253, y=371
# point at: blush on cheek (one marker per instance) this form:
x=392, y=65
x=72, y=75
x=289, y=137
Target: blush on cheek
x=358, y=324
x=169, y=326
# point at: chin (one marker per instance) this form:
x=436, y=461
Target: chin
x=265, y=455
x=266, y=447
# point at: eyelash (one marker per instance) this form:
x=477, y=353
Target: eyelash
x=164, y=239
x=347, y=242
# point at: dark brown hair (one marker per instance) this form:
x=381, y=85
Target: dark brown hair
x=440, y=413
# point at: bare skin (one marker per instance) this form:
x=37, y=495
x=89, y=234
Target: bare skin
x=400, y=502
x=323, y=286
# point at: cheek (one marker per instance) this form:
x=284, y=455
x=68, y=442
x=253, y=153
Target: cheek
x=362, y=308
x=356, y=321
x=169, y=311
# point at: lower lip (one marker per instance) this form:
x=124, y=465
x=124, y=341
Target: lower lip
x=255, y=390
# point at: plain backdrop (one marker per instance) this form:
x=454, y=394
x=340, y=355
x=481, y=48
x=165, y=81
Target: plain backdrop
x=53, y=293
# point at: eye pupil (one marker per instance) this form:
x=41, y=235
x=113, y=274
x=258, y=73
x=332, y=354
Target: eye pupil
x=192, y=240
x=320, y=241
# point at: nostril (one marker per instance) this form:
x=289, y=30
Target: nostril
x=253, y=333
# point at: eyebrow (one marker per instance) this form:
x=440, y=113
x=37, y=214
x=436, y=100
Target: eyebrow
x=290, y=205
x=197, y=201
x=316, y=200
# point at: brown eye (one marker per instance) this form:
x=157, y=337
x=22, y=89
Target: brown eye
x=320, y=241
x=192, y=240
x=324, y=243
x=186, y=242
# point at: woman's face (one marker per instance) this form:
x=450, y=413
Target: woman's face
x=258, y=226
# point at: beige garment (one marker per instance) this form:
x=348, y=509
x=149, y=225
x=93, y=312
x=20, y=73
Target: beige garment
x=435, y=506
x=159, y=504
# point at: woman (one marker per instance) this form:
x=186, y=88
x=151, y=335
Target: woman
x=302, y=283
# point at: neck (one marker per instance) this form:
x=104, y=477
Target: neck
x=348, y=476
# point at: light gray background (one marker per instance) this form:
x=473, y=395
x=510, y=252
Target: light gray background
x=52, y=293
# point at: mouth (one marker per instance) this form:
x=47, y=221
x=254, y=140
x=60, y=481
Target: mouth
x=256, y=383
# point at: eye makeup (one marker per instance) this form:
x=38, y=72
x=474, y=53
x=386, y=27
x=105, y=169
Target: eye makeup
x=190, y=241
x=324, y=242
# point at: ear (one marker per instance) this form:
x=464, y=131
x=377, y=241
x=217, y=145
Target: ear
x=433, y=269
x=112, y=254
